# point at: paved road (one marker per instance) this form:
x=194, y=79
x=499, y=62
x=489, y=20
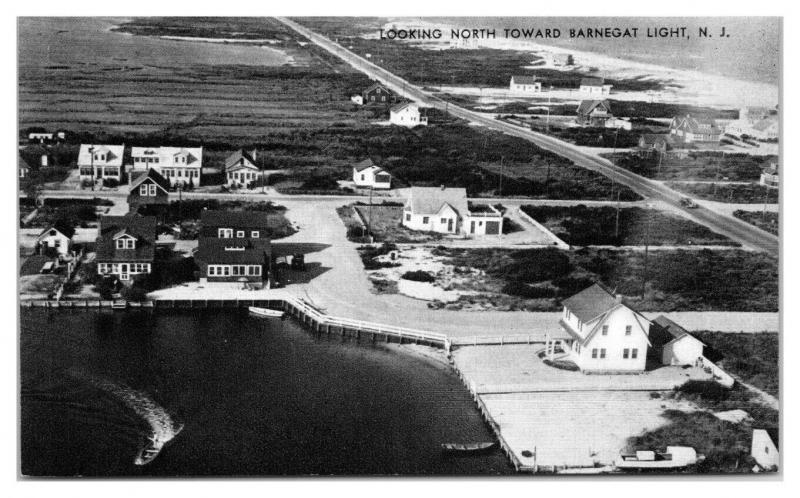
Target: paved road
x=738, y=230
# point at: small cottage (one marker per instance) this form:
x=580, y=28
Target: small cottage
x=525, y=84
x=675, y=344
x=148, y=188
x=367, y=175
x=594, y=113
x=241, y=169
x=407, y=114
x=594, y=86
x=377, y=93
x=56, y=238
x=770, y=176
x=446, y=210
x=100, y=162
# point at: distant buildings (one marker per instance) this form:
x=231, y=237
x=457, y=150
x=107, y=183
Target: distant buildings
x=607, y=336
x=149, y=188
x=42, y=137
x=597, y=113
x=126, y=246
x=656, y=142
x=560, y=59
x=769, y=176
x=760, y=123
x=179, y=165
x=446, y=210
x=525, y=84
x=367, y=174
x=407, y=114
x=100, y=162
x=689, y=129
x=377, y=93
x=234, y=246
x=594, y=86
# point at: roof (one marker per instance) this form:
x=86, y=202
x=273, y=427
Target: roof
x=591, y=302
x=694, y=123
x=375, y=85
x=524, y=80
x=234, y=219
x=113, y=155
x=154, y=177
x=21, y=163
x=362, y=165
x=66, y=229
x=212, y=250
x=592, y=81
x=675, y=330
x=141, y=227
x=167, y=155
x=587, y=106
x=430, y=200
x=400, y=107
x=237, y=156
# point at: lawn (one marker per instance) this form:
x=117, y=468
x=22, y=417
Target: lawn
x=384, y=224
x=753, y=358
x=738, y=193
x=72, y=212
x=765, y=220
x=676, y=280
x=696, y=166
x=582, y=226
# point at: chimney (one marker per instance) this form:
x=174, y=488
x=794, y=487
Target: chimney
x=618, y=297
x=443, y=187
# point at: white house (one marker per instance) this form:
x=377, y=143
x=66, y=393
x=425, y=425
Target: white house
x=606, y=335
x=677, y=345
x=695, y=129
x=407, y=115
x=446, y=210
x=241, y=168
x=40, y=137
x=764, y=451
x=57, y=238
x=366, y=174
x=100, y=161
x=525, y=84
x=594, y=86
x=357, y=99
x=770, y=176
x=179, y=165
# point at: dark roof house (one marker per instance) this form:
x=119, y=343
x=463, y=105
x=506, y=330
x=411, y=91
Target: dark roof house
x=142, y=229
x=591, y=302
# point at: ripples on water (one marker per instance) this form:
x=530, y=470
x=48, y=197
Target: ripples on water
x=252, y=396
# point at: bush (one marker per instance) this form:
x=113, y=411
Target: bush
x=110, y=183
x=105, y=287
x=418, y=276
x=527, y=291
x=134, y=293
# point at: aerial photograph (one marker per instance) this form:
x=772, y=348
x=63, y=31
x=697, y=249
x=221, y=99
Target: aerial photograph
x=399, y=246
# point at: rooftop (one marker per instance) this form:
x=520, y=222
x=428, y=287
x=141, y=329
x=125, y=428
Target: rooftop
x=524, y=80
x=152, y=175
x=591, y=302
x=430, y=200
x=143, y=228
x=213, y=250
x=234, y=219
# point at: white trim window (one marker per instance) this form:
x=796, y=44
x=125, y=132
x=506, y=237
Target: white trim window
x=225, y=233
x=239, y=234
x=152, y=190
x=143, y=190
x=126, y=243
x=255, y=234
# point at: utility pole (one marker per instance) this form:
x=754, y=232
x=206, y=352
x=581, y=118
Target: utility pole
x=660, y=158
x=646, y=250
x=369, y=215
x=766, y=198
x=549, y=95
x=91, y=154
x=500, y=193
x=616, y=225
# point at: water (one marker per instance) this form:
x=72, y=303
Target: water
x=223, y=393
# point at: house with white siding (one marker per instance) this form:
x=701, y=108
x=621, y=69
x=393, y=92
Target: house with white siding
x=594, y=86
x=695, y=129
x=99, y=161
x=675, y=344
x=446, y=210
x=607, y=336
x=525, y=84
x=367, y=175
x=57, y=238
x=179, y=165
x=407, y=114
x=126, y=246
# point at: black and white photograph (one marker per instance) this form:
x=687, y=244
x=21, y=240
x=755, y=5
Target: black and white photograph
x=399, y=246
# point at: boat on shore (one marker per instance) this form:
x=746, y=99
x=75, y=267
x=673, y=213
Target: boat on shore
x=265, y=312
x=467, y=447
x=675, y=457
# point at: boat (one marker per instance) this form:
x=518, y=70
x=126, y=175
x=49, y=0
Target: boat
x=675, y=457
x=265, y=312
x=467, y=447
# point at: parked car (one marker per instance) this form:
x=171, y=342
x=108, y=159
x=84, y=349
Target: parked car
x=688, y=203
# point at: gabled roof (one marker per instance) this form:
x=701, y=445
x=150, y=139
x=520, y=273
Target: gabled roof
x=524, y=80
x=592, y=81
x=673, y=329
x=587, y=106
x=21, y=163
x=591, y=302
x=238, y=156
x=400, y=107
x=113, y=155
x=694, y=124
x=151, y=176
x=211, y=219
x=212, y=250
x=141, y=227
x=430, y=200
x=362, y=165
x=61, y=227
x=375, y=85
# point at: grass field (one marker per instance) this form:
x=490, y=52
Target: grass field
x=697, y=166
x=753, y=358
x=751, y=193
x=582, y=226
x=676, y=280
x=767, y=221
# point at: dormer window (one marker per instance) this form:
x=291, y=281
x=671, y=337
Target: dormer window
x=126, y=243
x=255, y=234
x=240, y=234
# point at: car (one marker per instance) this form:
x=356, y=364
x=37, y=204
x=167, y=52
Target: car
x=688, y=203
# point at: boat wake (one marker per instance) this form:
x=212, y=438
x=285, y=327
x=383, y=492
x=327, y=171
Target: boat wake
x=163, y=427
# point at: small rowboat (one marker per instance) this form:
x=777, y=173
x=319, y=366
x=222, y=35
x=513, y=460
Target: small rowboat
x=675, y=457
x=467, y=447
x=265, y=312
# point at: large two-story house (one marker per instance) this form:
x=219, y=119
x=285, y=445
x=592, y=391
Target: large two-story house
x=179, y=165
x=606, y=335
x=377, y=93
x=99, y=162
x=126, y=246
x=234, y=246
x=690, y=129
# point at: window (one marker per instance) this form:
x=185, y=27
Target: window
x=143, y=190
x=152, y=189
x=362, y=178
x=594, y=353
x=625, y=353
x=605, y=329
x=124, y=276
x=255, y=234
x=212, y=270
x=602, y=353
x=225, y=233
x=444, y=221
x=628, y=329
x=634, y=353
x=240, y=234
x=408, y=217
x=425, y=220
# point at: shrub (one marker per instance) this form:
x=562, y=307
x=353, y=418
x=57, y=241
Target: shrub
x=527, y=291
x=418, y=276
x=134, y=293
x=110, y=183
x=105, y=287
